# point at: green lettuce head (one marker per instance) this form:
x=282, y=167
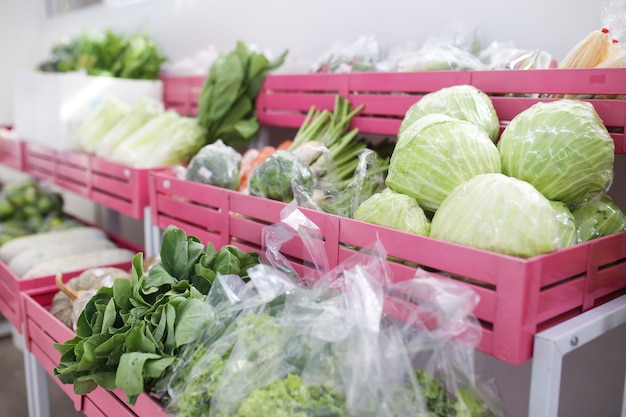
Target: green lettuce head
x=463, y=102
x=394, y=210
x=567, y=227
x=499, y=214
x=562, y=148
x=436, y=154
x=598, y=216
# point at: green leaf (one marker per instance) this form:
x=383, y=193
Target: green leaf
x=84, y=385
x=190, y=315
x=226, y=263
x=137, y=341
x=122, y=292
x=169, y=344
x=179, y=252
x=109, y=317
x=223, y=86
x=157, y=278
x=156, y=368
x=129, y=375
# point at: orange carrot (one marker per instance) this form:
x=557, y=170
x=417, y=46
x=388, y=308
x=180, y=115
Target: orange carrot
x=284, y=144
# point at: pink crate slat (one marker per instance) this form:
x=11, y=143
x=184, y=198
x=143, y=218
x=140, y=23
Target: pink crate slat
x=552, y=81
x=204, y=235
x=145, y=405
x=409, y=82
x=119, y=187
x=193, y=214
x=281, y=119
x=384, y=105
x=35, y=308
x=7, y=312
x=175, y=89
x=602, y=251
x=376, y=125
x=109, y=403
x=248, y=216
x=167, y=184
x=195, y=88
x=12, y=153
x=298, y=102
x=309, y=82
x=91, y=410
x=73, y=158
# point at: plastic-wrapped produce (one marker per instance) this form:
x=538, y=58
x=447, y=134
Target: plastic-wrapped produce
x=215, y=164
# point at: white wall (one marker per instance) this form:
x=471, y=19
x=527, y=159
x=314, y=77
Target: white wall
x=182, y=27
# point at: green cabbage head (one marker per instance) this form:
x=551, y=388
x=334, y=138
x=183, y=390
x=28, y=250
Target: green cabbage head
x=394, y=210
x=567, y=227
x=598, y=216
x=463, y=102
x=499, y=214
x=436, y=154
x=560, y=147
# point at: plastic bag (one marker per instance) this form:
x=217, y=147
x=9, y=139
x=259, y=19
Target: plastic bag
x=331, y=348
x=362, y=55
x=504, y=55
x=99, y=122
x=215, y=164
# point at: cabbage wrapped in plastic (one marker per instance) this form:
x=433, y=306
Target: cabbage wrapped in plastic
x=463, y=102
x=567, y=227
x=598, y=216
x=276, y=177
x=499, y=214
x=562, y=148
x=139, y=115
x=99, y=123
x=436, y=154
x=215, y=164
x=397, y=211
x=165, y=140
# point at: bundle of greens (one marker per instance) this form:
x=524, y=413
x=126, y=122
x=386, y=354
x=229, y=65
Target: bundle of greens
x=226, y=103
x=106, y=53
x=128, y=335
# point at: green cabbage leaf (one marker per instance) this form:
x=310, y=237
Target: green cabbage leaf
x=598, y=216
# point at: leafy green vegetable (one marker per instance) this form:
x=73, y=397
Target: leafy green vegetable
x=215, y=164
x=562, y=148
x=129, y=335
x=598, y=216
x=226, y=104
x=276, y=176
x=394, y=210
x=463, y=102
x=106, y=53
x=436, y=154
x=500, y=214
x=567, y=227
x=292, y=397
x=108, y=113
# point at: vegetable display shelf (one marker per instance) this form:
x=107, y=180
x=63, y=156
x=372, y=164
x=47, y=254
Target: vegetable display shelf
x=73, y=172
x=11, y=286
x=518, y=297
x=119, y=187
x=42, y=330
x=39, y=162
x=12, y=153
x=182, y=94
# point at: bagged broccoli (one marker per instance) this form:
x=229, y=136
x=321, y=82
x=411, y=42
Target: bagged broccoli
x=278, y=175
x=215, y=164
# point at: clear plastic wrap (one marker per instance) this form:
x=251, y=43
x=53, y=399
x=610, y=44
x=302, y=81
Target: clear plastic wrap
x=278, y=348
x=99, y=122
x=215, y=164
x=504, y=55
x=275, y=177
x=362, y=55
x=598, y=216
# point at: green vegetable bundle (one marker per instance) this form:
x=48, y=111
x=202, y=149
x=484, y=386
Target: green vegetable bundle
x=128, y=335
x=106, y=53
x=226, y=104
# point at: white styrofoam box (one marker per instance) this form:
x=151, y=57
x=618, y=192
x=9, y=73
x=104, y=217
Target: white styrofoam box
x=48, y=107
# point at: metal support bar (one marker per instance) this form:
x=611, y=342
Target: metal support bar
x=148, y=236
x=552, y=344
x=36, y=387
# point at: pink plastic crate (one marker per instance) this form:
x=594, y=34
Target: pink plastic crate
x=40, y=333
x=11, y=285
x=199, y=210
x=119, y=187
x=39, y=161
x=73, y=172
x=518, y=297
x=596, y=86
x=42, y=330
x=249, y=215
x=285, y=99
x=182, y=93
x=12, y=153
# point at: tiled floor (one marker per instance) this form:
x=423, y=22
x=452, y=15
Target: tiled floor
x=13, y=401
